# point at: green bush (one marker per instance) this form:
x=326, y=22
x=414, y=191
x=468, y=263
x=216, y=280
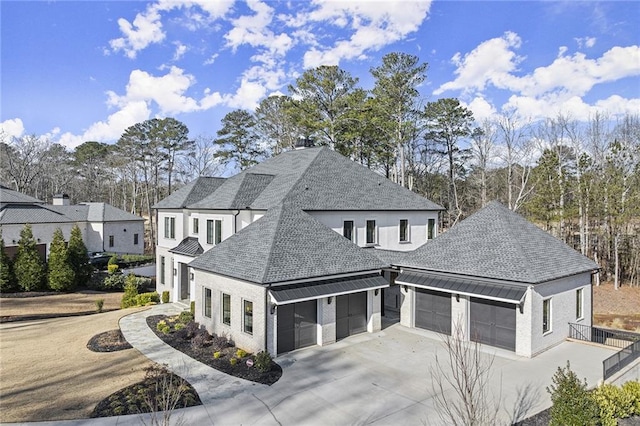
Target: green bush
x=217, y=354
x=233, y=361
x=99, y=305
x=113, y=282
x=633, y=389
x=130, y=297
x=61, y=276
x=165, y=296
x=192, y=308
x=612, y=404
x=112, y=268
x=163, y=327
x=144, y=299
x=241, y=353
x=113, y=260
x=185, y=317
x=179, y=326
x=29, y=269
x=572, y=404
x=262, y=361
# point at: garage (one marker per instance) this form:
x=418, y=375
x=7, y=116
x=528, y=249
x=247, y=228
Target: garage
x=433, y=310
x=493, y=323
x=297, y=325
x=351, y=314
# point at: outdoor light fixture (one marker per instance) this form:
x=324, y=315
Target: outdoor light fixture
x=406, y=288
x=329, y=300
x=274, y=307
x=175, y=272
x=377, y=291
x=191, y=275
x=457, y=297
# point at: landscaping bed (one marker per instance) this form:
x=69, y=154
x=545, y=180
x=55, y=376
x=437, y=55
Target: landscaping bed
x=215, y=351
x=108, y=341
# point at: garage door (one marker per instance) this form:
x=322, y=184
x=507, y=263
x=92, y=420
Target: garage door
x=351, y=314
x=493, y=323
x=297, y=326
x=433, y=310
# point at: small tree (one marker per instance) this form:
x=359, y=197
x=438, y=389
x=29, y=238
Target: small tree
x=61, y=276
x=29, y=268
x=7, y=278
x=78, y=257
x=572, y=405
x=468, y=372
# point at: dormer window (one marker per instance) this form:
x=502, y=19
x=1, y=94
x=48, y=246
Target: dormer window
x=196, y=225
x=371, y=231
x=347, y=230
x=404, y=230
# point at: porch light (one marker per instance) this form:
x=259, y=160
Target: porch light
x=273, y=309
x=191, y=276
x=377, y=291
x=175, y=272
x=329, y=299
x=406, y=288
x=457, y=297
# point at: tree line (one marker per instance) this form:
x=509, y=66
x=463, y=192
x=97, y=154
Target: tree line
x=579, y=180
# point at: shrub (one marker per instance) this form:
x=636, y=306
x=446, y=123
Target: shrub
x=7, y=278
x=113, y=260
x=113, y=282
x=192, y=308
x=99, y=304
x=233, y=361
x=201, y=339
x=633, y=389
x=185, y=317
x=163, y=327
x=572, y=404
x=241, y=353
x=30, y=271
x=179, y=326
x=262, y=361
x=61, y=276
x=220, y=342
x=113, y=269
x=612, y=404
x=130, y=297
x=78, y=257
x=144, y=299
x=165, y=296
x=217, y=354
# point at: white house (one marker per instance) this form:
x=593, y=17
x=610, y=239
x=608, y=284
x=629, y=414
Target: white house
x=309, y=247
x=104, y=227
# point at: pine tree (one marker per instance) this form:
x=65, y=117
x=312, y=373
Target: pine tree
x=78, y=258
x=7, y=278
x=61, y=276
x=29, y=268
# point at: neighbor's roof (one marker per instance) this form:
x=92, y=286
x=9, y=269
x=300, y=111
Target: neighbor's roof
x=286, y=244
x=310, y=179
x=8, y=195
x=190, y=193
x=499, y=244
x=103, y=212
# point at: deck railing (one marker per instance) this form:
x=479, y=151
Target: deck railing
x=628, y=342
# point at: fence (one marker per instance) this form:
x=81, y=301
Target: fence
x=629, y=344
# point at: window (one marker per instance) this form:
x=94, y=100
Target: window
x=579, y=299
x=404, y=230
x=207, y=303
x=161, y=269
x=248, y=317
x=347, y=230
x=226, y=309
x=371, y=232
x=170, y=227
x=209, y=231
x=546, y=316
x=218, y=229
x=196, y=225
x=431, y=229
x=135, y=239
x=111, y=240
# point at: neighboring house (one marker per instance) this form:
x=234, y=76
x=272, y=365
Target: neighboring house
x=309, y=247
x=104, y=227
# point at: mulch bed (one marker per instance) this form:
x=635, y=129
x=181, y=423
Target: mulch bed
x=204, y=354
x=109, y=341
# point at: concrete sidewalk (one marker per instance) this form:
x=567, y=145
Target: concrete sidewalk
x=382, y=378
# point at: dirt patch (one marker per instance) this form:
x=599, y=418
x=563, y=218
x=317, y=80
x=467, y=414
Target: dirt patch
x=49, y=374
x=616, y=308
x=26, y=306
x=108, y=341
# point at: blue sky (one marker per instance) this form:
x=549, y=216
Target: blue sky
x=79, y=71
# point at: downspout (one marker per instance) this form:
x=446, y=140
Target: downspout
x=235, y=221
x=266, y=317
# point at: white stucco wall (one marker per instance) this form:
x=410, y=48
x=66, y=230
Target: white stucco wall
x=123, y=236
x=326, y=321
x=562, y=293
x=387, y=226
x=407, y=309
x=239, y=291
x=180, y=228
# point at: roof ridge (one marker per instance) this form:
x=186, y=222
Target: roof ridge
x=265, y=272
x=306, y=170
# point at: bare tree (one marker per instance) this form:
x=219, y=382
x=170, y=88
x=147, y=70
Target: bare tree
x=467, y=373
x=482, y=147
x=163, y=396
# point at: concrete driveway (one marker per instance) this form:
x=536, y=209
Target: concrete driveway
x=381, y=379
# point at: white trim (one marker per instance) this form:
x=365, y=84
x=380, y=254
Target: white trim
x=461, y=293
x=550, y=321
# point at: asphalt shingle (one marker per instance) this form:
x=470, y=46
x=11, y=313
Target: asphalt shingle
x=190, y=193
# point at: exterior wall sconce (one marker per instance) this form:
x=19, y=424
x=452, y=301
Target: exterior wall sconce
x=191, y=276
x=521, y=305
x=406, y=288
x=377, y=291
x=329, y=299
x=274, y=308
x=457, y=297
x=175, y=272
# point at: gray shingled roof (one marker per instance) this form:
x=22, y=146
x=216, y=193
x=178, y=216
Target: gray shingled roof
x=190, y=193
x=34, y=213
x=44, y=213
x=285, y=244
x=103, y=212
x=310, y=179
x=8, y=195
x=500, y=244
x=189, y=246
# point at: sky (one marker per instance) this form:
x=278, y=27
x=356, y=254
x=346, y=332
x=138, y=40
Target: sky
x=77, y=71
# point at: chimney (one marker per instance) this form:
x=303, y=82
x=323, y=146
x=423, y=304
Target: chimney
x=61, y=200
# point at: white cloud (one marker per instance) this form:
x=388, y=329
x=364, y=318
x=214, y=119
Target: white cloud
x=374, y=24
x=181, y=49
x=13, y=127
x=585, y=42
x=481, y=108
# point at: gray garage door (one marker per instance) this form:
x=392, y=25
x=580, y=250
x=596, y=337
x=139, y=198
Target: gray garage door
x=351, y=314
x=493, y=323
x=297, y=326
x=433, y=310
